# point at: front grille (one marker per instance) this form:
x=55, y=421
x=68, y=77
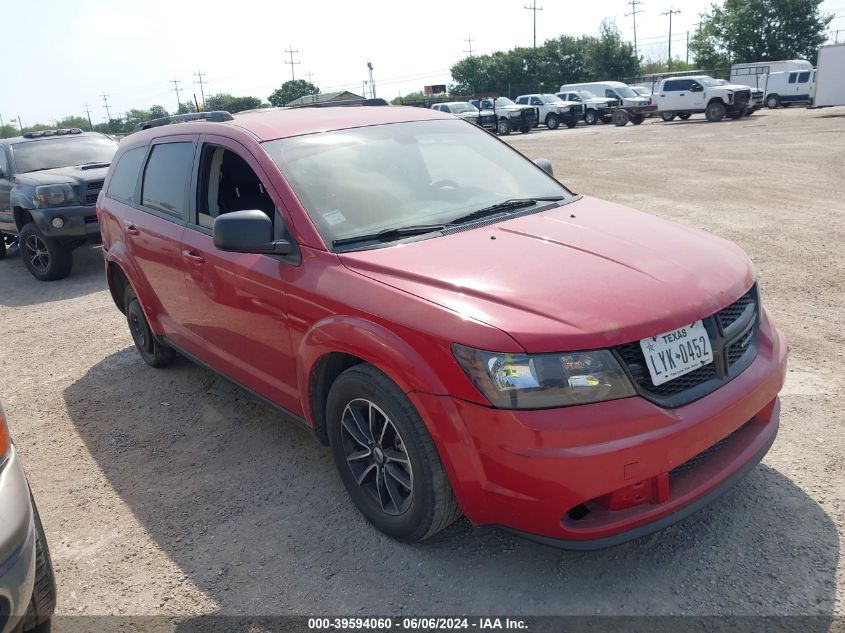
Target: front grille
x=742, y=97
x=730, y=356
x=92, y=190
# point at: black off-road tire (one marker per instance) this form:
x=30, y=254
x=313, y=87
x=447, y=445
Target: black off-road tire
x=715, y=112
x=503, y=126
x=552, y=121
x=637, y=119
x=47, y=259
x=607, y=118
x=154, y=353
x=432, y=506
x=591, y=117
x=43, y=601
x=525, y=129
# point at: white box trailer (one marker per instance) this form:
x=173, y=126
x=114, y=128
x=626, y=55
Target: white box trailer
x=830, y=77
x=750, y=74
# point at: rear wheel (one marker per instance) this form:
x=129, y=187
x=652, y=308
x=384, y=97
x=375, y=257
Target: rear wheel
x=45, y=258
x=386, y=457
x=590, y=117
x=636, y=119
x=154, y=353
x=667, y=116
x=552, y=122
x=715, y=112
x=683, y=116
x=607, y=118
x=503, y=126
x=43, y=601
x=772, y=101
x=621, y=118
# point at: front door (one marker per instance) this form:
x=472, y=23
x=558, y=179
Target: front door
x=239, y=321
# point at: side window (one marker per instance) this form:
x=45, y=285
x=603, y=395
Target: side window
x=227, y=183
x=522, y=100
x=804, y=77
x=4, y=164
x=792, y=77
x=125, y=175
x=574, y=98
x=688, y=84
x=610, y=94
x=166, y=178
x=536, y=101
x=670, y=86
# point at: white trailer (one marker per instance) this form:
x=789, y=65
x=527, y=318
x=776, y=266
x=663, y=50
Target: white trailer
x=750, y=74
x=830, y=77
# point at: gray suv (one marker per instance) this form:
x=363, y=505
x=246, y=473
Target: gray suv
x=27, y=584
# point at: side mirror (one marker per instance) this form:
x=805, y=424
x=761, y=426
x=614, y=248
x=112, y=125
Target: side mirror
x=2, y=173
x=248, y=232
x=696, y=88
x=545, y=165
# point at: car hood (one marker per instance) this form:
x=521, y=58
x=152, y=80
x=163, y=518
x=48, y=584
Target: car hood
x=60, y=175
x=583, y=275
x=734, y=87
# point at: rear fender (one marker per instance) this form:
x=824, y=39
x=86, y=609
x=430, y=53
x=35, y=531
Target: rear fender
x=118, y=256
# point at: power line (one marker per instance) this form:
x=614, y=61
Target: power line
x=633, y=13
x=199, y=75
x=106, y=104
x=176, y=83
x=469, y=42
x=534, y=8
x=670, y=13
x=88, y=112
x=292, y=63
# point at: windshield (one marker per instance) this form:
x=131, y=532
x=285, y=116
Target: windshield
x=626, y=92
x=586, y=94
x=549, y=98
x=458, y=108
x=641, y=91
x=63, y=151
x=370, y=179
x=503, y=102
x=706, y=81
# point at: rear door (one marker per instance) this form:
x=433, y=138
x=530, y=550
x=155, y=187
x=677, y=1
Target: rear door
x=239, y=321
x=802, y=86
x=152, y=225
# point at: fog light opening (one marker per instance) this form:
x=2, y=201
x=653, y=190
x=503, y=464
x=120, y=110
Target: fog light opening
x=57, y=223
x=578, y=512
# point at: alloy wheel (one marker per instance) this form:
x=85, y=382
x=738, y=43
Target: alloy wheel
x=377, y=457
x=37, y=253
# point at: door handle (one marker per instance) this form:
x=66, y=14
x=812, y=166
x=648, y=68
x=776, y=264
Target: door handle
x=131, y=229
x=192, y=257
x=682, y=94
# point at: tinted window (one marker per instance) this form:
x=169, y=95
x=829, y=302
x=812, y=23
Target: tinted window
x=804, y=77
x=536, y=101
x=522, y=100
x=166, y=177
x=125, y=174
x=4, y=165
x=793, y=77
x=671, y=86
x=62, y=151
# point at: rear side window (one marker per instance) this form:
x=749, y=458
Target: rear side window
x=125, y=175
x=670, y=86
x=793, y=77
x=804, y=77
x=166, y=178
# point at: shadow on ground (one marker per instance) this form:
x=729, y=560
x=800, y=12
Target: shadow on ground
x=252, y=511
x=19, y=288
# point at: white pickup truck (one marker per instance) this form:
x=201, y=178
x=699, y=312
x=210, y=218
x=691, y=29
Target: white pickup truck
x=684, y=96
x=553, y=110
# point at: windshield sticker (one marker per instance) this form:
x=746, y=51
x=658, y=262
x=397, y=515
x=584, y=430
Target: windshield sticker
x=334, y=217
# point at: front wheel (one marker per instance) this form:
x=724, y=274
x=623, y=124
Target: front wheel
x=43, y=601
x=552, y=122
x=386, y=458
x=45, y=258
x=154, y=353
x=636, y=119
x=503, y=127
x=715, y=112
x=667, y=116
x=590, y=117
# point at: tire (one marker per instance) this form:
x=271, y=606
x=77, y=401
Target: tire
x=571, y=124
x=154, y=353
x=2, y=247
x=607, y=118
x=552, y=122
x=772, y=101
x=683, y=116
x=43, y=601
x=621, y=118
x=503, y=126
x=636, y=119
x=715, y=112
x=591, y=117
x=525, y=129
x=45, y=258
x=364, y=404
x=667, y=116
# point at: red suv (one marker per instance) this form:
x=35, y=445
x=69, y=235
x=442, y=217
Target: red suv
x=466, y=334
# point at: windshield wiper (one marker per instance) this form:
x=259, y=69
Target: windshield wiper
x=506, y=205
x=389, y=235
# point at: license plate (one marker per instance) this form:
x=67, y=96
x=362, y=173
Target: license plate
x=676, y=353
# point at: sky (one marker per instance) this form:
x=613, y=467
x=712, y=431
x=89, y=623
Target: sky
x=65, y=54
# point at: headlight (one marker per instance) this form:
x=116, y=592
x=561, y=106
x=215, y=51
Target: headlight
x=5, y=440
x=515, y=113
x=565, y=109
x=542, y=381
x=55, y=195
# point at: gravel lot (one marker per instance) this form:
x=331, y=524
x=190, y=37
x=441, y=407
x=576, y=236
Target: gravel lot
x=174, y=492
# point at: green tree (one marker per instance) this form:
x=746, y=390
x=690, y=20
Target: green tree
x=743, y=31
x=187, y=107
x=608, y=57
x=292, y=90
x=225, y=101
x=413, y=97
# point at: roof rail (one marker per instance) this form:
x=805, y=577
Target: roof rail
x=217, y=115
x=59, y=132
x=345, y=102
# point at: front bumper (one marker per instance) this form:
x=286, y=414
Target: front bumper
x=586, y=477
x=17, y=544
x=78, y=222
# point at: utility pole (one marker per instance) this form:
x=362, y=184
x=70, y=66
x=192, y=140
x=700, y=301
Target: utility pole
x=633, y=13
x=199, y=75
x=88, y=112
x=687, y=48
x=372, y=83
x=469, y=42
x=176, y=83
x=838, y=31
x=670, y=13
x=292, y=63
x=534, y=8
x=106, y=104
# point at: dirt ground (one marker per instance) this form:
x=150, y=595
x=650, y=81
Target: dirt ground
x=174, y=492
